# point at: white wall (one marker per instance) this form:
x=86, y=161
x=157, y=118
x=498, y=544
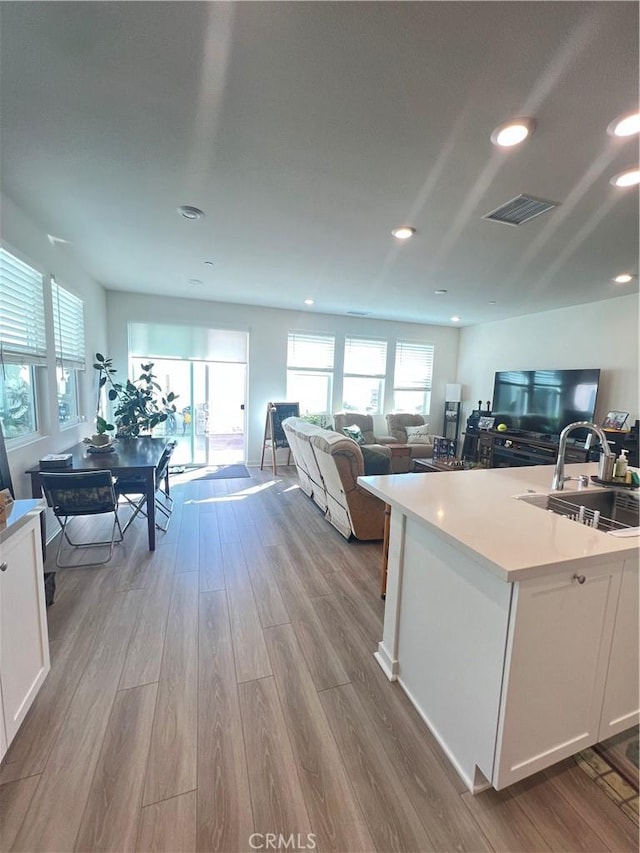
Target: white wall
x=268, y=327
x=598, y=334
x=20, y=234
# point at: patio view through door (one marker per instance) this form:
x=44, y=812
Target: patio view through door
x=209, y=423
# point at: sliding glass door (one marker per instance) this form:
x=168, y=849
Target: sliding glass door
x=209, y=422
x=207, y=369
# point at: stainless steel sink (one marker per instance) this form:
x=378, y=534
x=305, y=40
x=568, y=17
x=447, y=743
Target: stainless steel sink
x=604, y=509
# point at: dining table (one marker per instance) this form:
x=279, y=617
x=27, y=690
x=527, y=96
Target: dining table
x=130, y=458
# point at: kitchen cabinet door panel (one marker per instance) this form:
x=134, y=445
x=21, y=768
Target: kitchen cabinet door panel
x=557, y=656
x=620, y=708
x=24, y=643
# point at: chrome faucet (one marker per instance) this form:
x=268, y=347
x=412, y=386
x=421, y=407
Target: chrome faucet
x=559, y=479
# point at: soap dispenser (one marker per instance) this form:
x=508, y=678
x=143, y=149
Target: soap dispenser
x=620, y=471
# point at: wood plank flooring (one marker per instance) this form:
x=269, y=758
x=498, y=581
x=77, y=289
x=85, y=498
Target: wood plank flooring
x=224, y=687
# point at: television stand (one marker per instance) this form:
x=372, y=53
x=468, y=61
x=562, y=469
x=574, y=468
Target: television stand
x=513, y=449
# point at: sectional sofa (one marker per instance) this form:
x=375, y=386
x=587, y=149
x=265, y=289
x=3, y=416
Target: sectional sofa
x=328, y=466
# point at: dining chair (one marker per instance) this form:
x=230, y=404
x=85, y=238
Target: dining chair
x=133, y=490
x=72, y=495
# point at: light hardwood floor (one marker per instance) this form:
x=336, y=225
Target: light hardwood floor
x=225, y=685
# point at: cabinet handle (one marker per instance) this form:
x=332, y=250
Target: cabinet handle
x=3, y=567
x=579, y=578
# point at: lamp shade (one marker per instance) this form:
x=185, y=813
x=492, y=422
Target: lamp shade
x=452, y=393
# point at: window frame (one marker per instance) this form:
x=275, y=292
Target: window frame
x=382, y=345
x=69, y=343
x=322, y=368
x=424, y=387
x=24, y=342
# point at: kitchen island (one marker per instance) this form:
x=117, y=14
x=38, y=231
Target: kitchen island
x=513, y=630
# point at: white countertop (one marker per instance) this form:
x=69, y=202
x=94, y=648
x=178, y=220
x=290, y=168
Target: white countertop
x=476, y=512
x=18, y=514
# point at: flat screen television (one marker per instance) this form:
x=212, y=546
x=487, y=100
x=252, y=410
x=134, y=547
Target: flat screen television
x=543, y=402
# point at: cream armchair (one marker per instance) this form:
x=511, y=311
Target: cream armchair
x=421, y=447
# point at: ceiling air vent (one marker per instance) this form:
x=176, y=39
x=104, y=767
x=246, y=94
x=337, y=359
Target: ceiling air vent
x=359, y=313
x=520, y=209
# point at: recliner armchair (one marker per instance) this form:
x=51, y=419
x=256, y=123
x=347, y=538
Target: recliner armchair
x=397, y=424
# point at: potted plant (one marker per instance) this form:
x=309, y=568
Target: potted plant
x=140, y=404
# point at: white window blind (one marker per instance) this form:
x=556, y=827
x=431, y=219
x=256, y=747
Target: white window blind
x=68, y=324
x=414, y=366
x=22, y=331
x=309, y=351
x=365, y=357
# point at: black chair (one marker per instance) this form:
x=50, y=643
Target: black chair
x=71, y=495
x=126, y=487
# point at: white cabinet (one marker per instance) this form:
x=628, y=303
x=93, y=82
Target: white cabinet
x=556, y=668
x=620, y=708
x=24, y=643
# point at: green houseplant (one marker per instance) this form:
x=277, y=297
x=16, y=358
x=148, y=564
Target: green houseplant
x=140, y=404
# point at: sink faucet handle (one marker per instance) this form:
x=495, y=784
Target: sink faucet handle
x=582, y=480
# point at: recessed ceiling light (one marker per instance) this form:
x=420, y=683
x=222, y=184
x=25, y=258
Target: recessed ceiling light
x=625, y=125
x=195, y=281
x=308, y=301
x=403, y=232
x=513, y=132
x=629, y=178
x=189, y=212
x=439, y=292
x=624, y=278
x=455, y=319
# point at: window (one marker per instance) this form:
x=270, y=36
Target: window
x=23, y=345
x=412, y=377
x=365, y=366
x=17, y=400
x=310, y=371
x=68, y=324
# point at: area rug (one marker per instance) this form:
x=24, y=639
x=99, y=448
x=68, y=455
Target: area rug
x=613, y=765
x=223, y=472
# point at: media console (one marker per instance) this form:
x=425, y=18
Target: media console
x=509, y=449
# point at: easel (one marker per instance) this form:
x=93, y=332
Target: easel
x=274, y=436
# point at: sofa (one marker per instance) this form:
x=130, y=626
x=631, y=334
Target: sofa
x=328, y=465
x=381, y=443
x=342, y=420
x=421, y=446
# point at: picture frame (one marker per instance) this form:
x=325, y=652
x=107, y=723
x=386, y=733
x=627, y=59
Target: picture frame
x=486, y=422
x=615, y=420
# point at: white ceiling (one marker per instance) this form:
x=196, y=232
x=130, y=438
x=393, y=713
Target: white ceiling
x=307, y=131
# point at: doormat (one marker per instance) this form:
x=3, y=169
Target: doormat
x=613, y=766
x=224, y=472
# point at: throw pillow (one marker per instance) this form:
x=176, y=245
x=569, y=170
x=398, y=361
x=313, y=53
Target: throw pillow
x=375, y=462
x=355, y=433
x=418, y=434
